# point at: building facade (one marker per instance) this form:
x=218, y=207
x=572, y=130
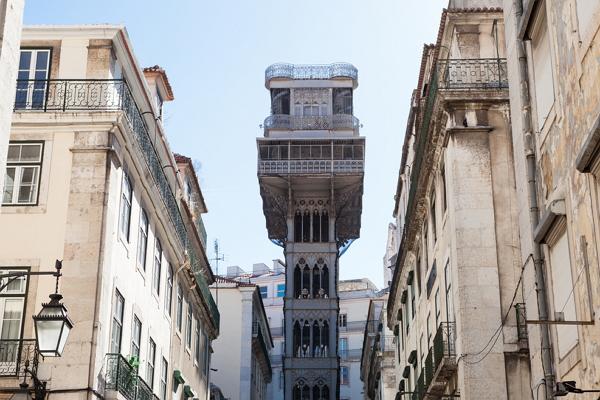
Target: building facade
x=11, y=17
x=310, y=171
x=455, y=303
x=89, y=183
x=553, y=53
x=241, y=353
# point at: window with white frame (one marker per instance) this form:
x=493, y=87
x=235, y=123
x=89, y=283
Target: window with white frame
x=23, y=165
x=343, y=320
x=179, y=311
x=12, y=303
x=562, y=287
x=142, y=240
x=125, y=210
x=136, y=337
x=542, y=68
x=34, y=67
x=188, y=327
x=156, y=270
x=151, y=363
x=264, y=291
x=169, y=291
x=164, y=376
x=116, y=333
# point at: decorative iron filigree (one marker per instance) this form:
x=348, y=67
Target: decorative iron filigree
x=482, y=73
x=275, y=208
x=315, y=71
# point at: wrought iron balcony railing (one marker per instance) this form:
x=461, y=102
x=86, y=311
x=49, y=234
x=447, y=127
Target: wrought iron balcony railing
x=201, y=230
x=110, y=95
x=14, y=353
x=120, y=376
x=277, y=167
x=444, y=343
x=203, y=290
x=482, y=73
x=291, y=71
x=318, y=122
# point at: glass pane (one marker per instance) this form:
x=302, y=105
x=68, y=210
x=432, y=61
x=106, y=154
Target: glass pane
x=27, y=175
x=31, y=152
x=13, y=152
x=40, y=77
x=11, y=319
x=25, y=194
x=9, y=181
x=25, y=60
x=23, y=75
x=42, y=61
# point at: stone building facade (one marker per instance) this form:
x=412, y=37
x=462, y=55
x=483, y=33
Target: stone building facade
x=93, y=182
x=241, y=353
x=310, y=171
x=456, y=276
x=554, y=76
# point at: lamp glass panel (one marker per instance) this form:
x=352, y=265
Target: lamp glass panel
x=63, y=339
x=48, y=335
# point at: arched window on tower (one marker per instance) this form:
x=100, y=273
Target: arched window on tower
x=298, y=226
x=297, y=282
x=305, y=294
x=301, y=391
x=325, y=339
x=325, y=281
x=324, y=226
x=306, y=227
x=317, y=349
x=305, y=350
x=316, y=282
x=297, y=339
x=316, y=226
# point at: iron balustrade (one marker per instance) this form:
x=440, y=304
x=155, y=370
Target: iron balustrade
x=314, y=71
x=481, y=73
x=122, y=377
x=201, y=230
x=112, y=95
x=317, y=122
x=203, y=289
x=14, y=355
x=444, y=342
x=279, y=167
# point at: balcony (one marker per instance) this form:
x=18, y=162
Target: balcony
x=482, y=73
x=440, y=364
x=310, y=123
x=315, y=71
x=14, y=354
x=123, y=378
x=315, y=158
x=203, y=290
x=201, y=230
x=259, y=344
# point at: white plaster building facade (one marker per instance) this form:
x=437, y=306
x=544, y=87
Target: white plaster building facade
x=11, y=18
x=241, y=353
x=87, y=186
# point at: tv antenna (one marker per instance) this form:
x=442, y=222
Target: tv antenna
x=218, y=257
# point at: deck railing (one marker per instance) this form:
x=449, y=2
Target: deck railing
x=481, y=73
x=122, y=377
x=315, y=71
x=14, y=354
x=278, y=167
x=110, y=95
x=317, y=122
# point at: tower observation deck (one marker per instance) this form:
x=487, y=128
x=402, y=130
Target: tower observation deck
x=310, y=170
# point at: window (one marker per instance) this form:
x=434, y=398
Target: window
x=169, y=291
x=188, y=327
x=281, y=290
x=449, y=296
x=179, y=315
x=438, y=311
x=117, y=322
x=432, y=215
x=343, y=320
x=21, y=181
x=197, y=344
x=125, y=211
x=164, y=375
x=413, y=308
x=151, y=363
x=263, y=292
x=157, y=268
x=344, y=375
x=34, y=65
x=343, y=346
x=136, y=337
x=431, y=279
x=206, y=353
x=342, y=101
x=142, y=240
x=562, y=289
x=542, y=68
x=12, y=301
x=444, y=200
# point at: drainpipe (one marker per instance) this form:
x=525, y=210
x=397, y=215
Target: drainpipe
x=540, y=283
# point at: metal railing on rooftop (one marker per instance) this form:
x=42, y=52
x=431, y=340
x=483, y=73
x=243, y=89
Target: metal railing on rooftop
x=315, y=71
x=278, y=167
x=14, y=354
x=122, y=377
x=113, y=95
x=481, y=73
x=317, y=122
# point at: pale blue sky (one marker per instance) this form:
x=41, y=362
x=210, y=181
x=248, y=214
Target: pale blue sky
x=215, y=53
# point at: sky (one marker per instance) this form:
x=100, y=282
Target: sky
x=215, y=53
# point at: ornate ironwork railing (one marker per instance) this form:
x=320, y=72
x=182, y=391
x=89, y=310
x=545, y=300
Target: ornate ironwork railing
x=291, y=71
x=202, y=288
x=111, y=95
x=120, y=376
x=444, y=343
x=318, y=122
x=310, y=166
x=144, y=392
x=14, y=353
x=201, y=230
x=481, y=73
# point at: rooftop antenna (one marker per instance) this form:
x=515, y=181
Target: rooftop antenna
x=218, y=257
